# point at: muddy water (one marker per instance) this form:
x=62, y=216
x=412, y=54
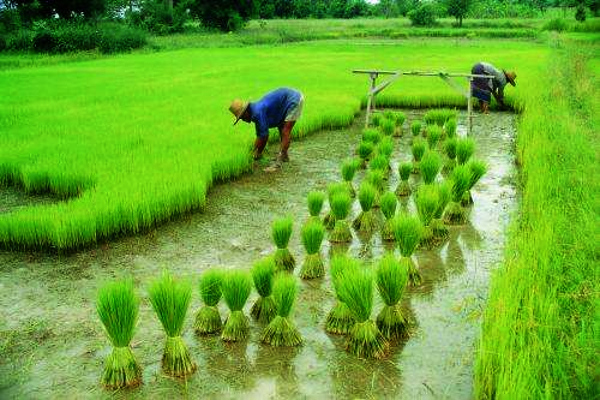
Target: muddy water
x=53, y=346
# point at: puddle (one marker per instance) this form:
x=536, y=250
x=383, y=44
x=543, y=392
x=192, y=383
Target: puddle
x=53, y=344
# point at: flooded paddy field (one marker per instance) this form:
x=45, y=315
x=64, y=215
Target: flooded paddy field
x=52, y=342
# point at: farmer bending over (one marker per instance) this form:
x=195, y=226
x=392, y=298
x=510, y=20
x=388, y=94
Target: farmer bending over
x=280, y=108
x=483, y=88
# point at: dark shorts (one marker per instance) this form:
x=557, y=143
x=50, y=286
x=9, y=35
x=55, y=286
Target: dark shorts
x=480, y=88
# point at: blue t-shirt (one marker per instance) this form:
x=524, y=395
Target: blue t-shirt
x=271, y=110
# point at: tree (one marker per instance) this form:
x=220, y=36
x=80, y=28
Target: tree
x=225, y=15
x=458, y=9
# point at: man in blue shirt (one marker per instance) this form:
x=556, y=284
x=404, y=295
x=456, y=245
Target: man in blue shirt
x=483, y=88
x=280, y=109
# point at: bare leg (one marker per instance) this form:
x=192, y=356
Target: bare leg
x=285, y=132
x=485, y=107
x=259, y=146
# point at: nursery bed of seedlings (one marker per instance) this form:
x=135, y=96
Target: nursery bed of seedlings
x=54, y=344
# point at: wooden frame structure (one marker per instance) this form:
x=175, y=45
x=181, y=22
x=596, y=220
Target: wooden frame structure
x=374, y=89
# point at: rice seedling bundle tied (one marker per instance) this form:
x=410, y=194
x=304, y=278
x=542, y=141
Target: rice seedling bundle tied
x=386, y=146
x=281, y=331
x=340, y=207
x=478, y=169
x=399, y=120
x=439, y=116
x=427, y=201
x=450, y=128
x=263, y=272
x=415, y=128
x=388, y=205
x=365, y=149
x=349, y=167
x=365, y=340
x=365, y=222
x=408, y=230
x=312, y=237
x=419, y=146
x=434, y=134
x=465, y=148
x=315, y=200
x=391, y=278
x=376, y=178
x=388, y=127
x=381, y=163
x=118, y=308
x=208, y=319
x=170, y=300
x=404, y=170
x=371, y=135
x=376, y=119
x=430, y=166
x=236, y=286
x=461, y=178
x=332, y=190
x=281, y=231
x=450, y=150
x=440, y=231
x=340, y=320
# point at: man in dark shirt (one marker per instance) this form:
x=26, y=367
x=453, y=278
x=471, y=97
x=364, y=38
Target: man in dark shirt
x=483, y=88
x=280, y=109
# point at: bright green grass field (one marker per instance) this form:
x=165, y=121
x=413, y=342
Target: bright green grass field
x=136, y=139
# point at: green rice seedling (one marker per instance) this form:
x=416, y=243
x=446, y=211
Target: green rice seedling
x=376, y=119
x=419, y=146
x=391, y=278
x=281, y=331
x=340, y=207
x=387, y=127
x=365, y=222
x=439, y=116
x=450, y=128
x=332, y=189
x=427, y=200
x=312, y=237
x=388, y=205
x=461, y=178
x=371, y=135
x=415, y=128
x=381, y=163
x=404, y=170
x=208, y=319
x=408, y=230
x=170, y=300
x=365, y=149
x=340, y=320
x=263, y=271
x=434, y=134
x=430, y=166
x=386, y=147
x=478, y=169
x=399, y=120
x=236, y=287
x=281, y=231
x=315, y=200
x=450, y=150
x=365, y=340
x=376, y=178
x=349, y=167
x=440, y=230
x=465, y=148
x=118, y=308
x=389, y=114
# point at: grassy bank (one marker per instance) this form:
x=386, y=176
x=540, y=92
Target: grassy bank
x=541, y=327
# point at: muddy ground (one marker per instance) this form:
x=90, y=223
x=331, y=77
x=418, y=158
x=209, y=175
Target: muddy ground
x=53, y=346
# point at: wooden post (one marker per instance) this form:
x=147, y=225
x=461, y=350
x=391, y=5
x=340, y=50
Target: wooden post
x=371, y=98
x=469, y=109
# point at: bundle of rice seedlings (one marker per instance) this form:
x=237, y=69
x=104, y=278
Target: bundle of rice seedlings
x=371, y=135
x=450, y=128
x=478, y=169
x=365, y=222
x=281, y=231
x=315, y=200
x=415, y=128
x=450, y=149
x=461, y=178
x=332, y=189
x=391, y=278
x=426, y=200
x=439, y=116
x=356, y=290
x=312, y=237
x=440, y=231
x=365, y=149
x=263, y=271
x=340, y=320
x=408, y=230
x=430, y=166
x=388, y=204
x=434, y=133
x=170, y=300
x=208, y=319
x=399, y=120
x=388, y=127
x=236, y=288
x=380, y=162
x=118, y=307
x=376, y=178
x=419, y=146
x=465, y=148
x=340, y=208
x=281, y=331
x=349, y=167
x=386, y=146
x=404, y=170
x=376, y=119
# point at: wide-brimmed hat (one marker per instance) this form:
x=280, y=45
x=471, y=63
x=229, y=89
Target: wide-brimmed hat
x=510, y=77
x=238, y=108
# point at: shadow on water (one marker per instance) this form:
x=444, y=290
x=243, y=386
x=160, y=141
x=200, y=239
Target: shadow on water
x=53, y=344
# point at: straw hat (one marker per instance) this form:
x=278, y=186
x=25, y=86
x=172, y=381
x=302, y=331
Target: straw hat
x=238, y=108
x=510, y=77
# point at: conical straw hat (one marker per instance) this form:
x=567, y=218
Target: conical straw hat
x=238, y=108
